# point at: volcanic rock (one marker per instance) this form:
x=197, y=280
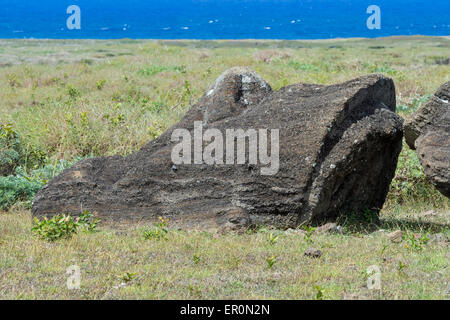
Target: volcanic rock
x=428, y=115
x=337, y=148
x=428, y=131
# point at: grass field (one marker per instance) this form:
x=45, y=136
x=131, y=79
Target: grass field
x=62, y=100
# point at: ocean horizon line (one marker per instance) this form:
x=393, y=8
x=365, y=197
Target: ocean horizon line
x=234, y=39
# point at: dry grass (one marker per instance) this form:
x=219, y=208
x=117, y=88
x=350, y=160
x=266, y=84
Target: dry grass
x=50, y=89
x=231, y=266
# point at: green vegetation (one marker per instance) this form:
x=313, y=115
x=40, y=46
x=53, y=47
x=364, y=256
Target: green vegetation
x=271, y=261
x=94, y=98
x=63, y=226
x=13, y=152
x=21, y=187
x=308, y=233
x=158, y=232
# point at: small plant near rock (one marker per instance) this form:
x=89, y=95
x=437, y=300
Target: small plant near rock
x=309, y=232
x=87, y=221
x=158, y=232
x=272, y=238
x=416, y=243
x=63, y=226
x=60, y=226
x=271, y=261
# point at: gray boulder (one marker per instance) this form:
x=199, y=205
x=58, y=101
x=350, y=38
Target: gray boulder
x=337, y=149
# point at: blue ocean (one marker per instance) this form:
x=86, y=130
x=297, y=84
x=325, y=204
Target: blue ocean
x=222, y=19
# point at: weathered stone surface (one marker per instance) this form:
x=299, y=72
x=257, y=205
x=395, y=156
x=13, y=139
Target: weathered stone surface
x=428, y=131
x=338, y=149
x=433, y=149
x=427, y=116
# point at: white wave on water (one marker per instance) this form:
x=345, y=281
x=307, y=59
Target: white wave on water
x=185, y=28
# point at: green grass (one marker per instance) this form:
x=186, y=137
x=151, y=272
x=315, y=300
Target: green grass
x=80, y=98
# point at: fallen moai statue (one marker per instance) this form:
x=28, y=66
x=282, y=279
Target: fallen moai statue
x=428, y=131
x=312, y=152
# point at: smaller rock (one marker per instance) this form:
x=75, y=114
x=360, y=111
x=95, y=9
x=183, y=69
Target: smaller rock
x=330, y=228
x=395, y=236
x=447, y=255
x=313, y=253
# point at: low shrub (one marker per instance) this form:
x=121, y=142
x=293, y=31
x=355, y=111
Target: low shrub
x=158, y=232
x=21, y=187
x=63, y=226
